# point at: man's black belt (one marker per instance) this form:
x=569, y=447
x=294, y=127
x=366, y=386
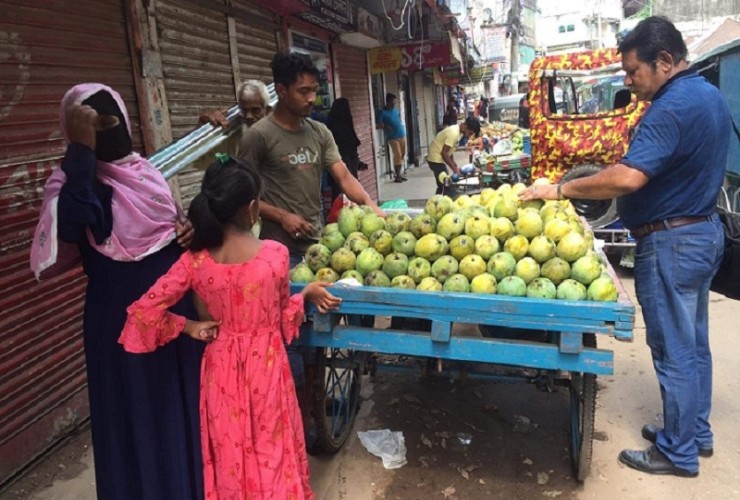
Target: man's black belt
x=662, y=225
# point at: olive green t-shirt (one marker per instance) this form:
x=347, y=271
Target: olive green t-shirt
x=290, y=164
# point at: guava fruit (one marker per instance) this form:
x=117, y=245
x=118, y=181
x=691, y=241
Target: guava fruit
x=403, y=281
x=349, y=219
x=556, y=270
x=317, y=256
x=512, y=286
x=444, y=267
x=586, y=269
x=431, y=247
x=377, y=278
x=422, y=224
x=405, y=243
x=369, y=260
x=527, y=269
x=541, y=248
x=462, y=245
x=483, y=283
x=502, y=264
x=395, y=264
x=477, y=225
x=343, y=260
x=382, y=241
x=327, y=274
x=357, y=242
x=602, y=289
x=471, y=266
x=419, y=268
x=397, y=222
x=528, y=224
x=541, y=288
x=439, y=205
x=486, y=246
x=517, y=246
x=456, y=283
x=572, y=247
x=570, y=289
x=502, y=229
x=450, y=225
x=301, y=274
x=371, y=223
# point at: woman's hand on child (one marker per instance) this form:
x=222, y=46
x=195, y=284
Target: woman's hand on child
x=202, y=330
x=317, y=294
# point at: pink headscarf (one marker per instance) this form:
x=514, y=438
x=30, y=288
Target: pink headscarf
x=144, y=212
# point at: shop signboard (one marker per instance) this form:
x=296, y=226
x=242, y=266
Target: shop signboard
x=409, y=57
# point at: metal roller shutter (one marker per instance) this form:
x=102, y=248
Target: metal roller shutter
x=256, y=35
x=196, y=64
x=351, y=68
x=45, y=48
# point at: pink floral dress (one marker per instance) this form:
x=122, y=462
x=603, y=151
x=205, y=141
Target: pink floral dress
x=251, y=429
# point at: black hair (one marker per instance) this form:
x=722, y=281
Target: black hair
x=651, y=36
x=389, y=96
x=228, y=187
x=473, y=125
x=288, y=66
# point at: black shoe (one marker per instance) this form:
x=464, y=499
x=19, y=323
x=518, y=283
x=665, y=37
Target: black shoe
x=653, y=461
x=650, y=432
x=398, y=179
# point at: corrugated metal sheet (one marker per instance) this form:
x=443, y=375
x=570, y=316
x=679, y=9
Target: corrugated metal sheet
x=196, y=63
x=45, y=48
x=351, y=70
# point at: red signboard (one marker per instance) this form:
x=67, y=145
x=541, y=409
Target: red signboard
x=409, y=57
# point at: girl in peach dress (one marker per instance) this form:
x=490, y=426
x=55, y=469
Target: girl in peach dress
x=251, y=429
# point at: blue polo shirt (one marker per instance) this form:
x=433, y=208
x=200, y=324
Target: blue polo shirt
x=391, y=120
x=681, y=146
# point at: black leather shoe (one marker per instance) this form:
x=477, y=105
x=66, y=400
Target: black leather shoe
x=650, y=432
x=652, y=461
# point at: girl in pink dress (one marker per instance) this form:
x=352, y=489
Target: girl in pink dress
x=251, y=429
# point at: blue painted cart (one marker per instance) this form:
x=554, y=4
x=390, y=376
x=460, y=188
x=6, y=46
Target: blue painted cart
x=564, y=354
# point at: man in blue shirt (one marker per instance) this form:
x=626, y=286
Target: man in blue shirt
x=395, y=133
x=667, y=186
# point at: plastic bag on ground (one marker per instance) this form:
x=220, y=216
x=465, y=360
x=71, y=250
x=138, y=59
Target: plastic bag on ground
x=390, y=446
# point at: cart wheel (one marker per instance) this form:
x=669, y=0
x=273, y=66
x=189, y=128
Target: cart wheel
x=582, y=414
x=338, y=382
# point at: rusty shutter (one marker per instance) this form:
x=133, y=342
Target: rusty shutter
x=351, y=71
x=45, y=48
x=196, y=64
x=425, y=109
x=257, y=41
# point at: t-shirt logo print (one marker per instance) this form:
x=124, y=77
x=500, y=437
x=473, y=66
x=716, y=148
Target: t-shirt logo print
x=303, y=158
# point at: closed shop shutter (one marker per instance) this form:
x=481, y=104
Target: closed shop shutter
x=351, y=70
x=425, y=107
x=257, y=42
x=45, y=48
x=196, y=64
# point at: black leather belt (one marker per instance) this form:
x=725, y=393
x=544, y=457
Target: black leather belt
x=662, y=225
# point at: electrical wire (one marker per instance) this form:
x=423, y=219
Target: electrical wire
x=403, y=13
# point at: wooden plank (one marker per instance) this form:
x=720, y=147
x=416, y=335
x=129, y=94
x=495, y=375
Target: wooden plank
x=522, y=353
x=570, y=342
x=441, y=331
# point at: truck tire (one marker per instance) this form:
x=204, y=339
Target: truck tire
x=598, y=213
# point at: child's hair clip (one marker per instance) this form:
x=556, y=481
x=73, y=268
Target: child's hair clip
x=223, y=158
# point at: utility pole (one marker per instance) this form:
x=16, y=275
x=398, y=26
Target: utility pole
x=515, y=26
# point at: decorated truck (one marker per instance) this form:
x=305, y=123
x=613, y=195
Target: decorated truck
x=581, y=120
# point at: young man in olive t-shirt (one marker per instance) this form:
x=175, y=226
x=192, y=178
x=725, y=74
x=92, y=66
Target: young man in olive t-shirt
x=290, y=152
